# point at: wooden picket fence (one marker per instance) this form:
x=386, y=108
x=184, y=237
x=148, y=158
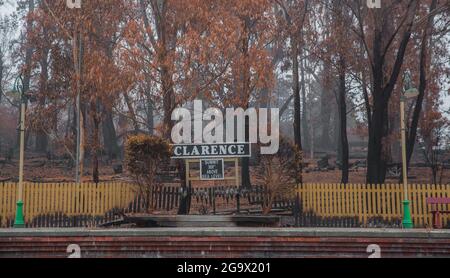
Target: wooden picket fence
x=58, y=204
x=371, y=203
x=88, y=204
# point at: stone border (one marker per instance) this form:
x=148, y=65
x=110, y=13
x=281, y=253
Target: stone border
x=229, y=232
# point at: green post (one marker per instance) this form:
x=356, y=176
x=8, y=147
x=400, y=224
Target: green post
x=407, y=221
x=19, y=222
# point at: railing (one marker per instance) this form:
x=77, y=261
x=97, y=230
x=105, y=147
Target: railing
x=89, y=204
x=370, y=204
x=64, y=204
x=71, y=205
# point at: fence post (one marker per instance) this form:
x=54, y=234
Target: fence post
x=214, y=200
x=183, y=198
x=238, y=201
x=189, y=197
x=297, y=208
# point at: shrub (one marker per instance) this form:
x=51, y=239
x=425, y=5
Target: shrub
x=280, y=173
x=144, y=154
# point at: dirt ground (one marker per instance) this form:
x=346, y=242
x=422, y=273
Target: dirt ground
x=416, y=175
x=39, y=169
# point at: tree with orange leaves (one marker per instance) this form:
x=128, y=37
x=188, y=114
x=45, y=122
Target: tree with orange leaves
x=101, y=78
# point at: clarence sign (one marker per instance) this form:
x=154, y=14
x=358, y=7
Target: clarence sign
x=211, y=150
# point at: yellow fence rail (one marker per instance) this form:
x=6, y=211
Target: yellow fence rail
x=367, y=202
x=69, y=199
x=364, y=202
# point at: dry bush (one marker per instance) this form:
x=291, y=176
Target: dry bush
x=143, y=155
x=280, y=174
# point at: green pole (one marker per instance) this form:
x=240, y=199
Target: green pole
x=19, y=222
x=407, y=221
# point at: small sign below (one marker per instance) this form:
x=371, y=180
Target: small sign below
x=212, y=169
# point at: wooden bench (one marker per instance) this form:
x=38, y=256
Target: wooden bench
x=434, y=202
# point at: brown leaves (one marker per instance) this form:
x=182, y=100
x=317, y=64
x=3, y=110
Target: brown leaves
x=198, y=45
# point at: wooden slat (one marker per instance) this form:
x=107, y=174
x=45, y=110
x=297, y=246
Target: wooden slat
x=110, y=197
x=53, y=197
x=359, y=201
x=447, y=194
x=89, y=210
x=38, y=205
x=376, y=206
x=31, y=202
x=366, y=203
x=7, y=199
x=369, y=201
x=399, y=197
x=308, y=197
x=97, y=197
x=70, y=194
x=433, y=192
x=348, y=200
x=325, y=199
x=444, y=207
x=66, y=199
x=428, y=194
x=2, y=206
x=100, y=196
x=337, y=191
x=411, y=198
x=382, y=200
x=321, y=206
x=421, y=203
x=104, y=199
x=387, y=201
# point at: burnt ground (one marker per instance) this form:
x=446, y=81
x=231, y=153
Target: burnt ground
x=40, y=169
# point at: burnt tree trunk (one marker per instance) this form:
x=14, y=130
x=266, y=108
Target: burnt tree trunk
x=325, y=116
x=41, y=136
x=383, y=87
x=296, y=92
x=304, y=110
x=424, y=66
x=109, y=135
x=343, y=122
x=95, y=140
x=245, y=175
x=245, y=92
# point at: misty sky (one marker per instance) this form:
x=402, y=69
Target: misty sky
x=8, y=7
